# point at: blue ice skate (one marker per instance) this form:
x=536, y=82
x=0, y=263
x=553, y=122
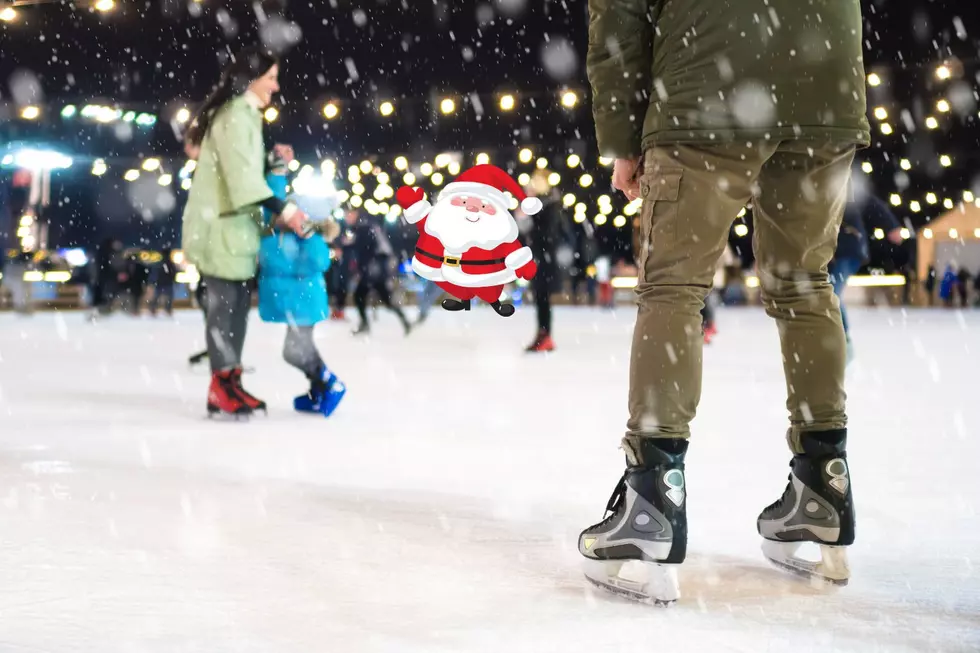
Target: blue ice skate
x=324, y=395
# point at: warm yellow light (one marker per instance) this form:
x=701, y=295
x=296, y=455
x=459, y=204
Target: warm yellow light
x=366, y=167
x=105, y=5
x=932, y=123
x=580, y=207
x=943, y=72
x=605, y=160
x=927, y=233
x=605, y=209
x=186, y=184
x=507, y=102
x=408, y=178
x=165, y=179
x=879, y=233
x=271, y=114
x=573, y=160
x=357, y=189
x=568, y=200
x=741, y=213
x=931, y=198
x=947, y=203
x=331, y=110
x=447, y=106
x=942, y=106
x=151, y=164
x=387, y=108
x=30, y=113
x=619, y=222
x=293, y=165
x=554, y=179
x=26, y=220
x=579, y=218
x=915, y=206
x=131, y=175
x=604, y=199
x=183, y=115
x=945, y=161
x=328, y=167
x=967, y=196
x=541, y=163
x=426, y=169
x=585, y=180
x=876, y=280
x=8, y=14
x=954, y=234
x=976, y=233
x=525, y=155
x=599, y=220
x=437, y=178
x=741, y=230
x=569, y=99
x=874, y=79
x=453, y=168
x=383, y=178
x=895, y=199
x=482, y=158
x=866, y=166
x=905, y=164
x=443, y=160
x=886, y=129
x=905, y=233
x=881, y=113
x=99, y=167
x=401, y=163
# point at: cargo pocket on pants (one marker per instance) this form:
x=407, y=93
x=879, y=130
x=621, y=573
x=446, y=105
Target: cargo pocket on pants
x=660, y=190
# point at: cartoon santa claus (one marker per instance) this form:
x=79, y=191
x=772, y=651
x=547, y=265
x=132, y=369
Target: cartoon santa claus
x=468, y=241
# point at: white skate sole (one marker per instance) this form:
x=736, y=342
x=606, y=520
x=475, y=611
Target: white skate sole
x=646, y=582
x=831, y=568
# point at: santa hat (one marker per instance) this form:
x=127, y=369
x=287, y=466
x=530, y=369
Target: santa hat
x=489, y=183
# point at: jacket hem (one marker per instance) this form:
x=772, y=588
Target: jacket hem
x=860, y=137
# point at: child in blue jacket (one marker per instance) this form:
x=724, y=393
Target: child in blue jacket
x=292, y=290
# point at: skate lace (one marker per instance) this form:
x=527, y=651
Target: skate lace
x=778, y=503
x=615, y=500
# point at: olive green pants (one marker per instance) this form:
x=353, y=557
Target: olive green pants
x=691, y=196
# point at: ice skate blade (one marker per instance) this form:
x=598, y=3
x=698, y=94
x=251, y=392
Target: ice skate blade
x=637, y=580
x=832, y=568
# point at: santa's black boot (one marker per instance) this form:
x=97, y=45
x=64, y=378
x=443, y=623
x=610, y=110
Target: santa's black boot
x=503, y=310
x=456, y=305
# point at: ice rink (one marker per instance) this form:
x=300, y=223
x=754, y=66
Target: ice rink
x=437, y=510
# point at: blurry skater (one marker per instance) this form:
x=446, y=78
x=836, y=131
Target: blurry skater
x=164, y=284
x=373, y=255
x=292, y=290
x=545, y=232
x=223, y=218
x=661, y=107
x=853, y=250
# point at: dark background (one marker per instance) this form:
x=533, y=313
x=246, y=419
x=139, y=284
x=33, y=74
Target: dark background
x=159, y=55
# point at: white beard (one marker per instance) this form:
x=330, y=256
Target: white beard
x=449, y=225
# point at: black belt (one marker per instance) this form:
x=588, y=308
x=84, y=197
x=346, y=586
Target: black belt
x=454, y=262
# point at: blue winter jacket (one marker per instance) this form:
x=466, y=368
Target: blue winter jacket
x=292, y=288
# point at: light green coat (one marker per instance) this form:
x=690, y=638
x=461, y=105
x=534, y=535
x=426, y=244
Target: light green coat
x=223, y=219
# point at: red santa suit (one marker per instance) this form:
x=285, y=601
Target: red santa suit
x=474, y=271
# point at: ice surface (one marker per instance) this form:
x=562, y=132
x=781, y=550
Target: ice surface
x=437, y=510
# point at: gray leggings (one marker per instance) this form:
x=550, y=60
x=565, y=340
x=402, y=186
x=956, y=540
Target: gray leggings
x=300, y=351
x=228, y=304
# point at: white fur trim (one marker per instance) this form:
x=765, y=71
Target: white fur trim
x=417, y=211
x=474, y=189
x=426, y=271
x=518, y=258
x=531, y=205
x=457, y=276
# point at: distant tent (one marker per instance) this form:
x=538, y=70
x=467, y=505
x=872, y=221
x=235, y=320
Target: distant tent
x=952, y=238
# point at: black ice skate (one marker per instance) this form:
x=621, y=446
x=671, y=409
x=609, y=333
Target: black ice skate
x=635, y=551
x=815, y=507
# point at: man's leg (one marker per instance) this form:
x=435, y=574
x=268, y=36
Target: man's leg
x=360, y=300
x=797, y=219
x=691, y=196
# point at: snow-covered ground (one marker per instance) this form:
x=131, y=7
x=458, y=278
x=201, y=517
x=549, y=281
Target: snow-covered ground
x=437, y=511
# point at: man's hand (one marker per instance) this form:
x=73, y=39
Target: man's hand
x=626, y=176
x=296, y=221
x=895, y=236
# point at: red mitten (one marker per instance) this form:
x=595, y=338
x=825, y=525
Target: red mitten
x=408, y=196
x=528, y=270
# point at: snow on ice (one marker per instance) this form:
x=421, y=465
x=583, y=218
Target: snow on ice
x=437, y=510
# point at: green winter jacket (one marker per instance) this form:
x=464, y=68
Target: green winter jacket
x=700, y=71
x=223, y=219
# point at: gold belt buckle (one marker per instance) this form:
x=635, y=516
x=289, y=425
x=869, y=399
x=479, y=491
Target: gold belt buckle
x=451, y=261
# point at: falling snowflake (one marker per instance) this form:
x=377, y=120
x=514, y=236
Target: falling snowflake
x=559, y=58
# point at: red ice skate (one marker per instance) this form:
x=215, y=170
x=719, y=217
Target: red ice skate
x=223, y=397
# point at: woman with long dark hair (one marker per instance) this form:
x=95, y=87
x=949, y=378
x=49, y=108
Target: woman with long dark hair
x=223, y=218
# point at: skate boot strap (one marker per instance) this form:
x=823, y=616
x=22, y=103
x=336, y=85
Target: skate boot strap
x=649, y=453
